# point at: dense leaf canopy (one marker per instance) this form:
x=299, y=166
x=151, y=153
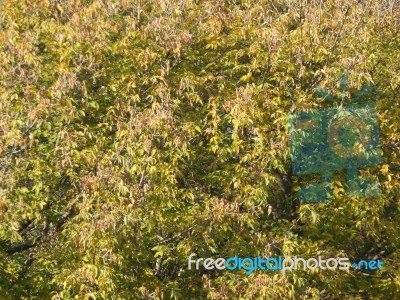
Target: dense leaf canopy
x=136, y=132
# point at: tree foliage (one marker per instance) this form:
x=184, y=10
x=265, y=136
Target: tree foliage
x=136, y=132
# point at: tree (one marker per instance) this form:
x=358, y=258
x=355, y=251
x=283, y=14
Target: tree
x=134, y=133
